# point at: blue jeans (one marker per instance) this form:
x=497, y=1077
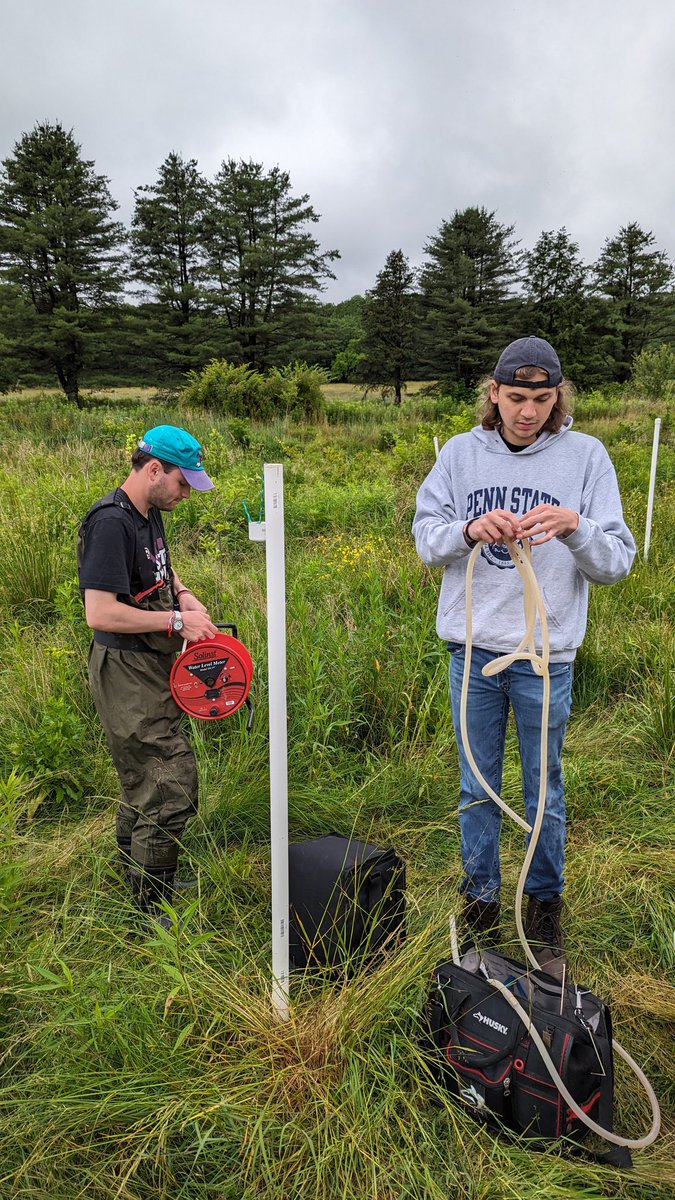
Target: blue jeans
x=480, y=818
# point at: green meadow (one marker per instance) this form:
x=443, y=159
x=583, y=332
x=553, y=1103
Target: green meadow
x=150, y=1068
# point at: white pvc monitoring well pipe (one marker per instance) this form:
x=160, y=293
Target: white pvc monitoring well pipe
x=271, y=532
x=652, y=486
x=276, y=640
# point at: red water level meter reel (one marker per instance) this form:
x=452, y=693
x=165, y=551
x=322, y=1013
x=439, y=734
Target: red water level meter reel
x=212, y=679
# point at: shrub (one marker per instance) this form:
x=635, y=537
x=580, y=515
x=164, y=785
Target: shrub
x=302, y=390
x=234, y=391
x=295, y=391
x=240, y=392
x=654, y=373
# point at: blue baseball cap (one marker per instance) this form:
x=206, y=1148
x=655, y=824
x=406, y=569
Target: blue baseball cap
x=529, y=352
x=178, y=447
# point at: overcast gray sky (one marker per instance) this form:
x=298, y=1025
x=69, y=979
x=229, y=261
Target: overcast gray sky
x=390, y=114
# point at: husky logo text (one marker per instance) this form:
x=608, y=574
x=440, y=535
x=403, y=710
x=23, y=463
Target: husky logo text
x=479, y=1016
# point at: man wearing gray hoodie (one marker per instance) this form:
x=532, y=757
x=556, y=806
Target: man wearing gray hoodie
x=523, y=473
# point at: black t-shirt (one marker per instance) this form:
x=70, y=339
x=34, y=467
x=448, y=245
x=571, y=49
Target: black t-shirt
x=511, y=446
x=121, y=551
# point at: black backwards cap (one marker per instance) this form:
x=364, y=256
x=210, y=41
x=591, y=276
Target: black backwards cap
x=529, y=352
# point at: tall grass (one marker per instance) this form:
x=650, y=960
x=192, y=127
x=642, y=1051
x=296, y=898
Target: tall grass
x=151, y=1067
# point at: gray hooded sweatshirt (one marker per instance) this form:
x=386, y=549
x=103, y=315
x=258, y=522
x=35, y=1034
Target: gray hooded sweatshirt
x=475, y=473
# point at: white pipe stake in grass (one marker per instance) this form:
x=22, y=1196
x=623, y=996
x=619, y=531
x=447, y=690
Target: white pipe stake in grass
x=276, y=638
x=437, y=448
x=652, y=485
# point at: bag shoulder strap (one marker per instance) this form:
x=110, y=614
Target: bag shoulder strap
x=115, y=499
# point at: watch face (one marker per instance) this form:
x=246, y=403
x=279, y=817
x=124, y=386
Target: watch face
x=178, y=622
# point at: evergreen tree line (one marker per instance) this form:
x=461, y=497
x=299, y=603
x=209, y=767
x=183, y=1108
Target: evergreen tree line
x=229, y=268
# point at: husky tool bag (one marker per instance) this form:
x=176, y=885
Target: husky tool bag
x=483, y=1052
x=347, y=899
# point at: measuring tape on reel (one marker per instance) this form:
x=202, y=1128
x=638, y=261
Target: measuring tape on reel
x=212, y=679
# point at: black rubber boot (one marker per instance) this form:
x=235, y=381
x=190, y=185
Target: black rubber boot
x=544, y=933
x=126, y=862
x=481, y=923
x=151, y=886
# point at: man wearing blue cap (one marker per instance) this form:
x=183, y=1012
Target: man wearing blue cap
x=522, y=473
x=140, y=612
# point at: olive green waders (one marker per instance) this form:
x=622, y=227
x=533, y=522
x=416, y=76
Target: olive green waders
x=153, y=758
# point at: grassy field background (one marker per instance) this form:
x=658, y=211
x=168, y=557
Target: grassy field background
x=151, y=1068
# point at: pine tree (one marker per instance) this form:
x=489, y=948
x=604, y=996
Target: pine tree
x=263, y=260
x=60, y=248
x=166, y=239
x=389, y=327
x=554, y=274
x=557, y=303
x=168, y=259
x=637, y=279
x=465, y=290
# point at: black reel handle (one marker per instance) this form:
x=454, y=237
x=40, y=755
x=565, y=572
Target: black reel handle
x=232, y=627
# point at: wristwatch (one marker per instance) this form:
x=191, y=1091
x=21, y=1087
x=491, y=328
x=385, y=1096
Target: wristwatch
x=177, y=621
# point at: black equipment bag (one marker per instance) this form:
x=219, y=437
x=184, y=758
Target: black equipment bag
x=347, y=898
x=485, y=1056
